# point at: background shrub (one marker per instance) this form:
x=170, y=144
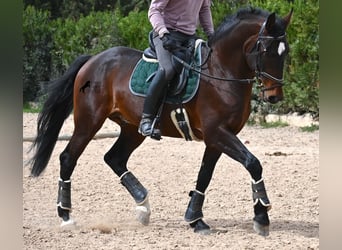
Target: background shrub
x=88, y=35
x=134, y=29
x=37, y=47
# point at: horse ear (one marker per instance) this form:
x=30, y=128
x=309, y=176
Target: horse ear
x=287, y=18
x=270, y=21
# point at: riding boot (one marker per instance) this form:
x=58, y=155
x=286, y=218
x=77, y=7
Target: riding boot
x=154, y=95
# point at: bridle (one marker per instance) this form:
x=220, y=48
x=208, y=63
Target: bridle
x=259, y=48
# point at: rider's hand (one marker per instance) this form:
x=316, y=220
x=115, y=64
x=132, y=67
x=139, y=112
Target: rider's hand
x=169, y=43
x=209, y=39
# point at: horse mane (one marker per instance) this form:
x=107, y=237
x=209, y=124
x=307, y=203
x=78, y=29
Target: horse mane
x=230, y=21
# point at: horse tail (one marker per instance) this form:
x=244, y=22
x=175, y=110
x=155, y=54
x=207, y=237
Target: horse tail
x=57, y=107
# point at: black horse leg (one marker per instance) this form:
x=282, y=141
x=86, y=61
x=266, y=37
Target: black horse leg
x=229, y=144
x=117, y=158
x=194, y=213
x=67, y=165
x=68, y=160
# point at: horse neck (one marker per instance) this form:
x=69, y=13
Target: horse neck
x=229, y=57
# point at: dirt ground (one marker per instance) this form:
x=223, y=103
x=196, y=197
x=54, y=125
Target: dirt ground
x=104, y=211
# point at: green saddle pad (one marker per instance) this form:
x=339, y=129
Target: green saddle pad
x=141, y=78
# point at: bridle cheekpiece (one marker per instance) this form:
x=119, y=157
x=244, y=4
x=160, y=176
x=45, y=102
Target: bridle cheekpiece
x=261, y=45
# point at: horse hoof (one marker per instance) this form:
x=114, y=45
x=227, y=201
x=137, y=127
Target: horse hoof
x=68, y=224
x=262, y=230
x=143, y=215
x=201, y=227
x=203, y=231
x=143, y=212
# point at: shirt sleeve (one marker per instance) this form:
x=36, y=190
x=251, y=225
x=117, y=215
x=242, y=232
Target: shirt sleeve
x=155, y=16
x=205, y=18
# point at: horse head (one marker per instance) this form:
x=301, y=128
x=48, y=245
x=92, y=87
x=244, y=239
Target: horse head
x=265, y=54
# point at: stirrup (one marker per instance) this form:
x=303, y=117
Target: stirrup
x=146, y=128
x=155, y=132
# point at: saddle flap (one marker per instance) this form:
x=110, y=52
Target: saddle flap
x=178, y=85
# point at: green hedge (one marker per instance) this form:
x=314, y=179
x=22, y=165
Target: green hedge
x=90, y=34
x=38, y=44
x=134, y=29
x=57, y=42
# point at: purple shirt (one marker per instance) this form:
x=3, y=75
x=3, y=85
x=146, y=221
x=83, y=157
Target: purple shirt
x=180, y=15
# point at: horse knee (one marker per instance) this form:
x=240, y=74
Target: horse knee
x=108, y=159
x=253, y=166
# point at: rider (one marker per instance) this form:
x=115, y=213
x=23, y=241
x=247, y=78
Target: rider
x=174, y=23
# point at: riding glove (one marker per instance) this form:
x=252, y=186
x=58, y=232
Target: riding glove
x=169, y=43
x=209, y=38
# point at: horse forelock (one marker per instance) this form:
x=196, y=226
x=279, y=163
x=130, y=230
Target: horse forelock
x=248, y=13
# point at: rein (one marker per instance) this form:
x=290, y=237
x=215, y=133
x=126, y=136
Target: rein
x=190, y=67
x=258, y=72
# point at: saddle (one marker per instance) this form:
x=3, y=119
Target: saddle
x=182, y=88
x=186, y=54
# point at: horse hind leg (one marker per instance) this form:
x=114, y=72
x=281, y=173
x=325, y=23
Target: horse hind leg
x=68, y=160
x=117, y=158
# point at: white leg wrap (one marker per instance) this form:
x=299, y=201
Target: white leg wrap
x=68, y=224
x=143, y=212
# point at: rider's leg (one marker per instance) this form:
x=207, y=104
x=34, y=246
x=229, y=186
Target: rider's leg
x=154, y=94
x=157, y=87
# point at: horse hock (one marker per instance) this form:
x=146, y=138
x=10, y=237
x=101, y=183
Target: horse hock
x=261, y=207
x=139, y=194
x=64, y=202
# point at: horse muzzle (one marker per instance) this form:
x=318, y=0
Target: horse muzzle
x=273, y=99
x=272, y=94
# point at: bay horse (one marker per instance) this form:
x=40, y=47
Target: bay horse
x=248, y=46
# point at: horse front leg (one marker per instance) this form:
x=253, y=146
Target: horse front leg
x=140, y=196
x=194, y=214
x=228, y=143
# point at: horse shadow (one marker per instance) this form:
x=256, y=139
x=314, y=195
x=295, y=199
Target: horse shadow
x=303, y=228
